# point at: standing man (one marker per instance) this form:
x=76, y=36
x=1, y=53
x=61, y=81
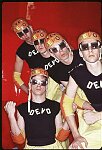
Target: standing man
x=38, y=126
x=89, y=78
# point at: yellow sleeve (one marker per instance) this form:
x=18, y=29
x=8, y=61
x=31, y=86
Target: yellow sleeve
x=79, y=101
x=66, y=106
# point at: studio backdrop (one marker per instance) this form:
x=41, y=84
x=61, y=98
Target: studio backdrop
x=70, y=19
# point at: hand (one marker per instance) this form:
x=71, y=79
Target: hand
x=79, y=143
x=87, y=106
x=10, y=108
x=90, y=117
x=74, y=107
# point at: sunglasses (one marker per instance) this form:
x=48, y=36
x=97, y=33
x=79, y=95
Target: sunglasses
x=38, y=82
x=87, y=46
x=40, y=41
x=58, y=47
x=20, y=34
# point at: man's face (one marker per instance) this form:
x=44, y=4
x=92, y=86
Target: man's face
x=90, y=50
x=60, y=51
x=39, y=83
x=25, y=34
x=39, y=45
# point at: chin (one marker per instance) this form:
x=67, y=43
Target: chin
x=38, y=93
x=65, y=58
x=94, y=61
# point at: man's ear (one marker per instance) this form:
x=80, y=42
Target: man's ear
x=80, y=53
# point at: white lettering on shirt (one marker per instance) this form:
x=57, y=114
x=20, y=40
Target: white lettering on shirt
x=96, y=84
x=101, y=84
x=33, y=53
x=38, y=111
x=42, y=110
x=51, y=64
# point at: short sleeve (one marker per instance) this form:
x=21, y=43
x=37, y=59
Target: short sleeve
x=21, y=53
x=56, y=108
x=22, y=108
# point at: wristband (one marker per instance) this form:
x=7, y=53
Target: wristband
x=17, y=79
x=66, y=106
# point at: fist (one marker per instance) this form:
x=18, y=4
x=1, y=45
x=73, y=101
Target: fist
x=10, y=108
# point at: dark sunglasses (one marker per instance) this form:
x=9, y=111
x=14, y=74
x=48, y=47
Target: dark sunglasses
x=20, y=34
x=41, y=41
x=86, y=46
x=56, y=49
x=41, y=83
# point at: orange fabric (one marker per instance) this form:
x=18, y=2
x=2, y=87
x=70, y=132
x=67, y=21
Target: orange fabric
x=63, y=135
x=61, y=106
x=18, y=139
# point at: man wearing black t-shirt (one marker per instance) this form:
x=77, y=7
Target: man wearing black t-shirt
x=69, y=60
x=24, y=31
x=39, y=118
x=49, y=63
x=89, y=78
x=34, y=58
x=60, y=49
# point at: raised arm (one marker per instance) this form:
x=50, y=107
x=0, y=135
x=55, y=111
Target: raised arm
x=17, y=74
x=16, y=134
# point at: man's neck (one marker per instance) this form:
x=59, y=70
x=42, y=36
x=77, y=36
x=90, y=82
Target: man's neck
x=30, y=41
x=38, y=98
x=95, y=68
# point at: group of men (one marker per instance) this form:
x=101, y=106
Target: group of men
x=71, y=78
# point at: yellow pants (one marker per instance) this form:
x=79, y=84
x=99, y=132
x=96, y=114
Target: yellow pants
x=92, y=133
x=56, y=145
x=53, y=90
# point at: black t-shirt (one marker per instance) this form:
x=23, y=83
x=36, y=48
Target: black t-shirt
x=34, y=59
x=28, y=53
x=57, y=70
x=63, y=72
x=40, y=125
x=90, y=84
